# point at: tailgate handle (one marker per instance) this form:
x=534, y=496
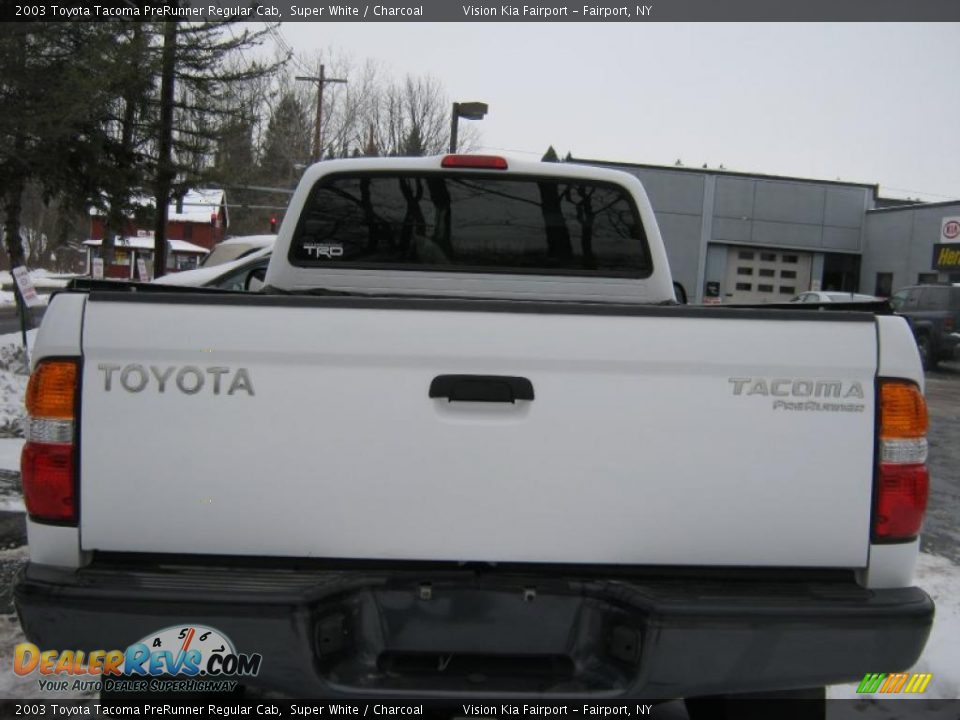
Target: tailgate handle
x=481, y=388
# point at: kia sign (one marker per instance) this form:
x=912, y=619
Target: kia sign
x=950, y=230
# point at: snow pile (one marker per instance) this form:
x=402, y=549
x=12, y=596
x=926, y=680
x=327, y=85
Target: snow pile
x=43, y=280
x=941, y=579
x=13, y=386
x=11, y=491
x=12, y=685
x=13, y=383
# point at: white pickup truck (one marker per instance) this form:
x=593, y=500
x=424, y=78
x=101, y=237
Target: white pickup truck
x=466, y=444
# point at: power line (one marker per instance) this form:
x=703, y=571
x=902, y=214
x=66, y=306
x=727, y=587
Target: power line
x=920, y=192
x=513, y=150
x=287, y=47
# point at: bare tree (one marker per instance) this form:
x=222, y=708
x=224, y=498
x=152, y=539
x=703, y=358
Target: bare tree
x=376, y=114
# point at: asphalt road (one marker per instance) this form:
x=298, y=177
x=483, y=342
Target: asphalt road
x=941, y=531
x=10, y=321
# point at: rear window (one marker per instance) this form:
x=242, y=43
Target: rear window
x=471, y=223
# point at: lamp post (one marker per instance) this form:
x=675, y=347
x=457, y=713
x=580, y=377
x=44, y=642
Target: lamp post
x=467, y=111
x=321, y=80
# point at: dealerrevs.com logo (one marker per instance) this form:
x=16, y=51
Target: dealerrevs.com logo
x=189, y=658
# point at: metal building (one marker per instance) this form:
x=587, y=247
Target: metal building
x=740, y=237
x=911, y=244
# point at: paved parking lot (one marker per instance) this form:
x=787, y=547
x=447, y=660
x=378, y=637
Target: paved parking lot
x=941, y=533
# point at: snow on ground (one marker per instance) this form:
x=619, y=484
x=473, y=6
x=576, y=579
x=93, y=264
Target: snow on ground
x=43, y=280
x=13, y=383
x=10, y=454
x=11, y=495
x=11, y=685
x=7, y=298
x=941, y=579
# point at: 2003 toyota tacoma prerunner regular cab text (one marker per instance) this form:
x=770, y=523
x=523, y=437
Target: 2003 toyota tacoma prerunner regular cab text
x=466, y=443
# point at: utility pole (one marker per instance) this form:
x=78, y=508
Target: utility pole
x=320, y=80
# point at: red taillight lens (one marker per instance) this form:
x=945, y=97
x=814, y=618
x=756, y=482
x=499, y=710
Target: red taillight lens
x=46, y=471
x=901, y=501
x=47, y=467
x=903, y=482
x=480, y=162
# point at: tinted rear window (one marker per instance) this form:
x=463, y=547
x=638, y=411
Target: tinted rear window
x=471, y=223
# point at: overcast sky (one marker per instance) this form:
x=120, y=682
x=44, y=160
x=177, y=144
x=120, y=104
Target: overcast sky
x=872, y=103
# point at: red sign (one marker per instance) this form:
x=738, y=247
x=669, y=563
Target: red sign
x=951, y=229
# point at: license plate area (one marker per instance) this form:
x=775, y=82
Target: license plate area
x=447, y=637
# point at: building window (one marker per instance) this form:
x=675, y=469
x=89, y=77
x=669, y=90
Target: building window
x=788, y=290
x=927, y=278
x=765, y=288
x=768, y=257
x=790, y=258
x=884, y=286
x=767, y=272
x=744, y=286
x=744, y=271
x=745, y=255
x=789, y=274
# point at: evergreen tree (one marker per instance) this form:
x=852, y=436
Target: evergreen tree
x=413, y=143
x=287, y=142
x=199, y=70
x=51, y=127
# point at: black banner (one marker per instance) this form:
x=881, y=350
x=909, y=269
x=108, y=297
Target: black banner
x=620, y=11
x=194, y=706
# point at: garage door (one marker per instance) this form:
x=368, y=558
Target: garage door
x=756, y=275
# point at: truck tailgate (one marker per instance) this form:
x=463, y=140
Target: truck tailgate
x=656, y=436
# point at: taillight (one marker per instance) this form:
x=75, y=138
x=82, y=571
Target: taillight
x=47, y=463
x=476, y=162
x=902, y=478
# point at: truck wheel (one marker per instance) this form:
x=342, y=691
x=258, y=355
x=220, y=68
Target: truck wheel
x=927, y=356
x=804, y=704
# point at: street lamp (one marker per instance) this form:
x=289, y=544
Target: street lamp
x=467, y=111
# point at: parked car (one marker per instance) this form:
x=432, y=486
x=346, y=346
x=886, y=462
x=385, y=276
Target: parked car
x=934, y=315
x=237, y=247
x=234, y=275
x=837, y=297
